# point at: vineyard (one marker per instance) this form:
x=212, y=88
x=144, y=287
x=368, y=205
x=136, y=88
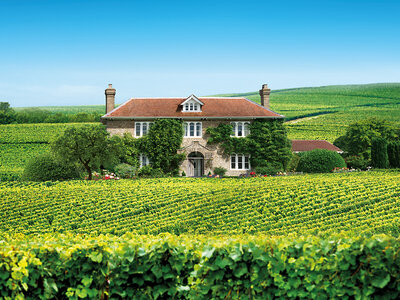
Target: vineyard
x=328, y=110
x=21, y=142
x=363, y=202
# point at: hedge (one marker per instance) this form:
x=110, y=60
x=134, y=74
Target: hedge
x=199, y=267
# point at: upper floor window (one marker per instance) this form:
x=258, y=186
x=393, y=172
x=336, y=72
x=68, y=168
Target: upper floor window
x=192, y=106
x=143, y=160
x=141, y=128
x=240, y=129
x=240, y=162
x=193, y=129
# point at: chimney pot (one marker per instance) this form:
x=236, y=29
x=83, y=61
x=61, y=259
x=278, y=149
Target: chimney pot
x=110, y=98
x=264, y=94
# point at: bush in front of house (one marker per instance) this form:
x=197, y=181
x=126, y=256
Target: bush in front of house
x=46, y=167
x=220, y=171
x=357, y=162
x=269, y=169
x=125, y=171
x=320, y=161
x=149, y=171
x=294, y=161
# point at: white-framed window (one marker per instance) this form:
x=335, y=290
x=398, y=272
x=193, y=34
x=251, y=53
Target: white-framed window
x=193, y=129
x=143, y=160
x=192, y=106
x=240, y=129
x=240, y=162
x=141, y=128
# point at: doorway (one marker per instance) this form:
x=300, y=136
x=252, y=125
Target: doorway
x=195, y=164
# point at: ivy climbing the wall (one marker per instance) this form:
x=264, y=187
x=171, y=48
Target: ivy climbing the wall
x=267, y=144
x=162, y=143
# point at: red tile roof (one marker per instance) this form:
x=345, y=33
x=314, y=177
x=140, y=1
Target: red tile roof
x=217, y=107
x=308, y=145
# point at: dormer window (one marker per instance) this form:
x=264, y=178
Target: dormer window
x=192, y=104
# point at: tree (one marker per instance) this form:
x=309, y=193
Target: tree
x=359, y=135
x=7, y=114
x=89, y=145
x=379, y=153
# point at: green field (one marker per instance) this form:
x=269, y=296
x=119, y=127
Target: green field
x=21, y=142
x=318, y=204
x=335, y=107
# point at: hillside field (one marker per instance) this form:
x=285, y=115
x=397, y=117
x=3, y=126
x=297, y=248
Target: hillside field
x=360, y=202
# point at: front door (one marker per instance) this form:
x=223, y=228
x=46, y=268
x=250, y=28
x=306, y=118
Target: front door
x=196, y=164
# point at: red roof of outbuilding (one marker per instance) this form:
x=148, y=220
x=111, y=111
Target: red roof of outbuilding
x=308, y=145
x=217, y=107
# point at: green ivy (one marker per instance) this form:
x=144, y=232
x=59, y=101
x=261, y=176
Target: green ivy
x=162, y=143
x=267, y=143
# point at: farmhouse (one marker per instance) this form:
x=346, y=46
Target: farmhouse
x=197, y=113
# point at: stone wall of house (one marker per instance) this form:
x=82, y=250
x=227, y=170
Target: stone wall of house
x=213, y=156
x=120, y=126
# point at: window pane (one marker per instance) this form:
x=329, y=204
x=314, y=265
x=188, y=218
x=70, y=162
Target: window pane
x=186, y=129
x=240, y=129
x=191, y=106
x=246, y=163
x=191, y=128
x=246, y=129
x=233, y=161
x=233, y=128
x=187, y=106
x=195, y=107
x=240, y=162
x=144, y=128
x=198, y=129
x=137, y=128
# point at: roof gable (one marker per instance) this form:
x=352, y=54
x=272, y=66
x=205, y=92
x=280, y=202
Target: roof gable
x=192, y=98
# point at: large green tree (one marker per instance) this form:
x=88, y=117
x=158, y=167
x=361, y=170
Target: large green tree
x=89, y=145
x=359, y=136
x=7, y=114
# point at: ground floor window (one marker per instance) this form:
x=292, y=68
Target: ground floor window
x=143, y=160
x=240, y=162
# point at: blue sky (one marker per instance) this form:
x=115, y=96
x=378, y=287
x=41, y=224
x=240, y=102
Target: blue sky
x=66, y=52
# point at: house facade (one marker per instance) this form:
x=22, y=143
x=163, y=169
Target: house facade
x=197, y=113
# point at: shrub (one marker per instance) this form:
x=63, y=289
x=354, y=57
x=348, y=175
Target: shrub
x=46, y=167
x=294, y=161
x=125, y=171
x=269, y=169
x=379, y=155
x=149, y=171
x=357, y=162
x=183, y=174
x=320, y=161
x=219, y=171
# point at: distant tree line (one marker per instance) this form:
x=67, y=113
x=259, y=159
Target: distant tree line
x=38, y=115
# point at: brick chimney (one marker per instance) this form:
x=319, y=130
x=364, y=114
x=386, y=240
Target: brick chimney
x=264, y=94
x=110, y=98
